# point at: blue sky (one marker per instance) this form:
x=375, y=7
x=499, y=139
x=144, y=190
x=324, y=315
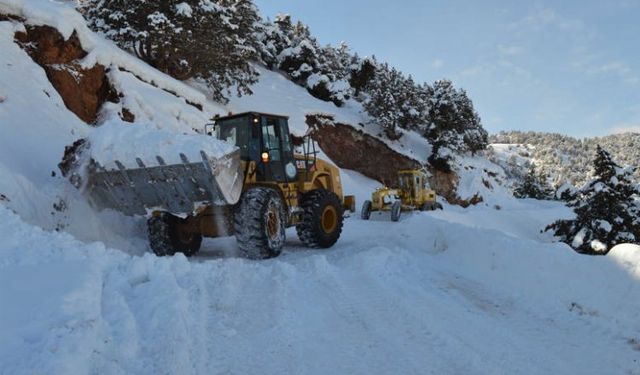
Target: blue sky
x=571, y=67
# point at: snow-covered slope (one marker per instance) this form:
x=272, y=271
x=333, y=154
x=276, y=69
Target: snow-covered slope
x=274, y=93
x=476, y=290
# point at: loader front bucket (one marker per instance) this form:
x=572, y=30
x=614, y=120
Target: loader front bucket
x=176, y=188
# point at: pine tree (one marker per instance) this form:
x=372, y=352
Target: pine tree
x=533, y=185
x=202, y=39
x=385, y=100
x=362, y=73
x=453, y=120
x=607, y=210
x=567, y=193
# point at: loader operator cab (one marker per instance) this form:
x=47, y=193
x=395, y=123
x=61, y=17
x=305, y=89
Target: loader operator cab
x=262, y=138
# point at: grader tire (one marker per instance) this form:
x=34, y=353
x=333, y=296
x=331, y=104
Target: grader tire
x=322, y=218
x=396, y=209
x=365, y=214
x=165, y=239
x=259, y=223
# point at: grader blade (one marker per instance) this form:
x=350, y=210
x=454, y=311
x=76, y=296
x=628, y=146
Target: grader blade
x=174, y=187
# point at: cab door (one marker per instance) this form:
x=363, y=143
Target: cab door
x=276, y=143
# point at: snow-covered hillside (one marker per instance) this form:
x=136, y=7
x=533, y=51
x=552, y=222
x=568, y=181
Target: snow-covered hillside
x=562, y=158
x=477, y=290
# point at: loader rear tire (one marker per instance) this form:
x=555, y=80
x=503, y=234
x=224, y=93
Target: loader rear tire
x=365, y=214
x=396, y=209
x=165, y=239
x=322, y=218
x=259, y=223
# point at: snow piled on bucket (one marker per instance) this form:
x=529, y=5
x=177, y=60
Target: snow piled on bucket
x=124, y=142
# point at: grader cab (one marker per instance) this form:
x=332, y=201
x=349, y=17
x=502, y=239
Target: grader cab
x=254, y=193
x=412, y=193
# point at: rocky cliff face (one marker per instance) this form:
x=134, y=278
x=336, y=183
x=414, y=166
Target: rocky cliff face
x=351, y=148
x=83, y=90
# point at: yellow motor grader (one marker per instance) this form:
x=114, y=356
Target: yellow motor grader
x=413, y=193
x=254, y=193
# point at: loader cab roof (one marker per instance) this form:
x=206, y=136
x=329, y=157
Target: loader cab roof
x=247, y=114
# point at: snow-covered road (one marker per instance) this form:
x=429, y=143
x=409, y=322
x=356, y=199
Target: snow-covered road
x=425, y=295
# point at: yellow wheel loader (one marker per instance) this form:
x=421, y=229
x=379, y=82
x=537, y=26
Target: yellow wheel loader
x=254, y=193
x=413, y=193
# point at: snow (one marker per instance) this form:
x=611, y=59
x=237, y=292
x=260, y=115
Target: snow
x=628, y=257
x=598, y=246
x=477, y=290
x=604, y=225
x=578, y=240
x=117, y=140
x=184, y=9
x=274, y=93
x=384, y=300
x=480, y=177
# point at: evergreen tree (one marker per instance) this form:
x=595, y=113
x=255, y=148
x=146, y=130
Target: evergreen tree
x=291, y=48
x=209, y=40
x=453, y=122
x=361, y=73
x=533, y=185
x=385, y=100
x=567, y=193
x=607, y=210
x=273, y=38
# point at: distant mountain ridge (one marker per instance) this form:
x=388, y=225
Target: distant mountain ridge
x=562, y=158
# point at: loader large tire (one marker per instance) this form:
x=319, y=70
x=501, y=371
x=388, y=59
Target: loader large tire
x=165, y=239
x=322, y=218
x=259, y=222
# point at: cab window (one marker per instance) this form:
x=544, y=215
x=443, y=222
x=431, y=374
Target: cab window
x=286, y=139
x=271, y=135
x=235, y=132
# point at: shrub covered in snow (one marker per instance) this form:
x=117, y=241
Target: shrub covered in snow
x=607, y=210
x=209, y=40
